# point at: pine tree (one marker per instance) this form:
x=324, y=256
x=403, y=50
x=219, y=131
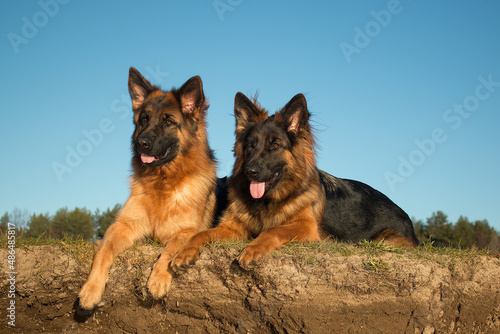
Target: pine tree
x=462, y=233
x=104, y=220
x=40, y=225
x=439, y=229
x=4, y=221
x=75, y=223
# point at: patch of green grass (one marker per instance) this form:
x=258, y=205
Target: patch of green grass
x=301, y=251
x=227, y=243
x=379, y=247
x=328, y=246
x=308, y=252
x=332, y=246
x=25, y=242
x=148, y=242
x=376, y=265
x=80, y=249
x=449, y=256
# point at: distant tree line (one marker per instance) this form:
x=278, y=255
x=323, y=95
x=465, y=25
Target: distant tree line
x=461, y=234
x=80, y=222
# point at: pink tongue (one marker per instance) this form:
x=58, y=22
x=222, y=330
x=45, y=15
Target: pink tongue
x=257, y=189
x=147, y=159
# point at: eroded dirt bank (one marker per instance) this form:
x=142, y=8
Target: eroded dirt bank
x=311, y=291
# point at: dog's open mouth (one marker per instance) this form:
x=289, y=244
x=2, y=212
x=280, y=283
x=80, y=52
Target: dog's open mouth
x=147, y=159
x=257, y=189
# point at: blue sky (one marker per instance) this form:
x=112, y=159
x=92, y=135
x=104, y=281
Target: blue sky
x=405, y=95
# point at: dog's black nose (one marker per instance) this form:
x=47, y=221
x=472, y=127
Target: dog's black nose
x=144, y=143
x=252, y=171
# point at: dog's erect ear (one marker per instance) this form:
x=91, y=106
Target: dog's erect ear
x=245, y=111
x=191, y=95
x=138, y=87
x=295, y=114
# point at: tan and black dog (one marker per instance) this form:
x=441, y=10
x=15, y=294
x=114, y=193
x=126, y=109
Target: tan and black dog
x=172, y=193
x=276, y=193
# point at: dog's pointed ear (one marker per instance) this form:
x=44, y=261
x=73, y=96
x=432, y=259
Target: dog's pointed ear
x=295, y=114
x=245, y=111
x=191, y=95
x=138, y=87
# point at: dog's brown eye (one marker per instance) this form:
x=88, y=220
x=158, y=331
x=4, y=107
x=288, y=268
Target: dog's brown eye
x=167, y=120
x=275, y=144
x=144, y=119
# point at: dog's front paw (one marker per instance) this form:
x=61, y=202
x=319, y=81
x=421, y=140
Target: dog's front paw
x=159, y=282
x=184, y=259
x=90, y=295
x=248, y=259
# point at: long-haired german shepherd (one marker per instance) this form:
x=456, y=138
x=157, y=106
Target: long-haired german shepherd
x=277, y=194
x=172, y=193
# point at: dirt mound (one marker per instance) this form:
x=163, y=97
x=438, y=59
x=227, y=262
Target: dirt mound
x=305, y=291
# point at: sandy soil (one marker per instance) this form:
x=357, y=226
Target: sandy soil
x=314, y=292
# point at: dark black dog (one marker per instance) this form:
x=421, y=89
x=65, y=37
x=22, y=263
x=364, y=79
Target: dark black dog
x=355, y=211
